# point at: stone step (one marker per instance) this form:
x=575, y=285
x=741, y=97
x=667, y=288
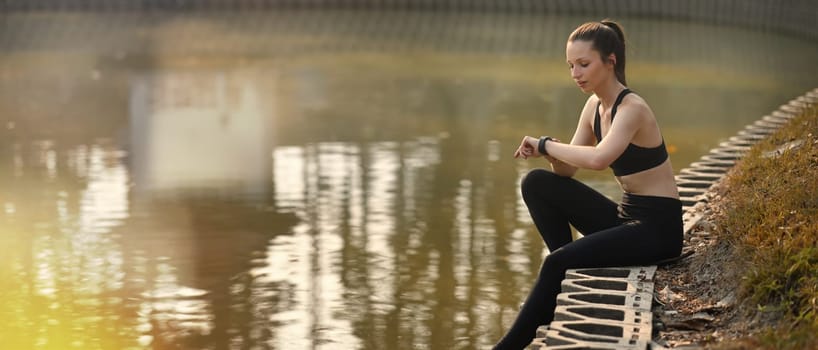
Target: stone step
x=638, y=301
x=631, y=273
x=606, y=285
x=621, y=315
x=569, y=339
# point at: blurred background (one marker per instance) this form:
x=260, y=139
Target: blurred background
x=323, y=174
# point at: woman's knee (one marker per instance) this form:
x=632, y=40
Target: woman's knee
x=555, y=264
x=538, y=180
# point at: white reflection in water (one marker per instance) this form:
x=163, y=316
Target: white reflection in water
x=18, y=161
x=103, y=206
x=305, y=264
x=46, y=156
x=517, y=259
x=288, y=177
x=170, y=304
x=87, y=256
x=51, y=163
x=420, y=155
x=76, y=160
x=45, y=276
x=346, y=197
x=521, y=209
x=333, y=171
x=9, y=208
x=465, y=230
x=104, y=203
x=380, y=221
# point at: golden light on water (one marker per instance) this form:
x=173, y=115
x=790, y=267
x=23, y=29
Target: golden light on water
x=61, y=269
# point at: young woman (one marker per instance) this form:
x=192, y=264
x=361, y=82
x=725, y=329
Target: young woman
x=616, y=129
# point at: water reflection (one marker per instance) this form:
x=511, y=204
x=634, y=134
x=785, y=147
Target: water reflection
x=200, y=127
x=62, y=268
x=285, y=186
x=367, y=211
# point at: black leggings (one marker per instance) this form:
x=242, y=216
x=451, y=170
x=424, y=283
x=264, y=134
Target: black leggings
x=641, y=230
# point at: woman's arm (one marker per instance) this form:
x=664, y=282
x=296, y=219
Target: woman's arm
x=583, y=135
x=627, y=122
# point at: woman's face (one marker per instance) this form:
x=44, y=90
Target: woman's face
x=587, y=68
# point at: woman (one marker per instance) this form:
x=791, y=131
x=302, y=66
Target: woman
x=616, y=129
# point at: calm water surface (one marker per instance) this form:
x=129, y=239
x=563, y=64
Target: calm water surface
x=329, y=180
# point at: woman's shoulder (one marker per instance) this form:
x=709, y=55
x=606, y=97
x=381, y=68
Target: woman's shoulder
x=589, y=108
x=591, y=103
x=592, y=100
x=634, y=97
x=636, y=109
x=633, y=103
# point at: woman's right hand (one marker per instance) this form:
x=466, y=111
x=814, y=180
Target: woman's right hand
x=528, y=148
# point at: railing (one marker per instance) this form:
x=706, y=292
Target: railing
x=795, y=16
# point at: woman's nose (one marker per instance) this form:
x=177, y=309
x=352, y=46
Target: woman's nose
x=575, y=73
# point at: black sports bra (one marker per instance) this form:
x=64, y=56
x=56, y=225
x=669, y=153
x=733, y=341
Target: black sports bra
x=635, y=158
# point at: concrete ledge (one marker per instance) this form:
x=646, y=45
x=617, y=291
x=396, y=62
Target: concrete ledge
x=622, y=315
x=606, y=284
x=571, y=340
x=609, y=332
x=635, y=273
x=638, y=301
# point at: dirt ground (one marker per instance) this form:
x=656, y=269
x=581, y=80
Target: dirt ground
x=695, y=301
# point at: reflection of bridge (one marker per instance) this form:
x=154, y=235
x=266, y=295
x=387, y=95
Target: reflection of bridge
x=798, y=16
x=199, y=128
x=200, y=164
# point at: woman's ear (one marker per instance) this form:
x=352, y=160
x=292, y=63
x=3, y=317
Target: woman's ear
x=612, y=59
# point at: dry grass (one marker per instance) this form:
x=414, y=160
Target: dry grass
x=769, y=212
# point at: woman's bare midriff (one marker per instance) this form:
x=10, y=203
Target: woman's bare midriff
x=658, y=181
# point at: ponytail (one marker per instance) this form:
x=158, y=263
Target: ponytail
x=607, y=37
x=616, y=28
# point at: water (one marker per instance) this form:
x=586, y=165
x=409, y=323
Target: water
x=312, y=180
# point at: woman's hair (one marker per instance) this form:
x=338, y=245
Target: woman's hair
x=607, y=38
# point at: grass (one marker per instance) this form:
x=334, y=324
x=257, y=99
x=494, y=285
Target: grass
x=770, y=212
